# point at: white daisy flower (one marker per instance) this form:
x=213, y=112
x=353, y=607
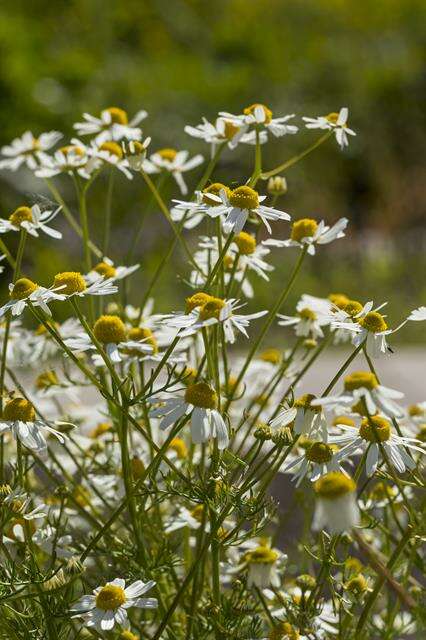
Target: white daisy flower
x=308, y=232
x=204, y=311
x=264, y=566
x=315, y=462
x=336, y=506
x=309, y=420
x=20, y=419
x=28, y=150
x=25, y=291
x=224, y=130
x=70, y=159
x=363, y=386
x=174, y=162
x=418, y=314
x=260, y=115
x=207, y=202
x=307, y=322
x=372, y=431
x=47, y=538
x=20, y=502
x=240, y=203
x=135, y=152
x=108, y=605
x=336, y=122
x=186, y=518
x=199, y=402
x=113, y=124
x=107, y=270
x=33, y=220
x=72, y=283
x=108, y=152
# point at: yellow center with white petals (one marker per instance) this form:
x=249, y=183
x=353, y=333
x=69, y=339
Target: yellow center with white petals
x=357, y=585
x=20, y=215
x=46, y=379
x=319, y=452
x=215, y=190
x=72, y=149
x=230, y=129
x=353, y=308
x=283, y=631
x=248, y=111
x=334, y=485
x=304, y=402
x=23, y=288
x=375, y=429
x=261, y=555
x=110, y=597
x=373, y=322
x=70, y=281
x=246, y=243
x=197, y=300
x=19, y=409
x=271, y=355
x=109, y=329
x=211, y=309
x=343, y=420
x=304, y=228
x=143, y=334
x=105, y=269
x=244, y=198
x=339, y=299
x=360, y=380
x=100, y=429
x=118, y=116
x=167, y=154
x=113, y=148
x=332, y=117
x=201, y=395
x=307, y=314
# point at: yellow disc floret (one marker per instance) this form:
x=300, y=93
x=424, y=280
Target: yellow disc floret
x=271, y=355
x=113, y=148
x=118, y=116
x=340, y=300
x=360, y=380
x=143, y=334
x=343, y=420
x=319, y=452
x=46, y=379
x=110, y=597
x=215, y=190
x=197, y=512
x=128, y=635
x=375, y=429
x=201, y=395
x=307, y=314
x=304, y=402
x=211, y=309
x=244, y=198
x=332, y=117
x=19, y=409
x=334, y=485
x=109, y=329
x=374, y=322
x=248, y=111
x=261, y=555
x=353, y=308
x=245, y=242
x=304, y=228
x=197, y=300
x=100, y=429
x=70, y=282
x=23, y=288
x=230, y=129
x=283, y=631
x=105, y=269
x=167, y=154
x=20, y=215
x=357, y=585
x=178, y=445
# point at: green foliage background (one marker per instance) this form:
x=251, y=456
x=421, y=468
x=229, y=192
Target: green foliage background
x=181, y=59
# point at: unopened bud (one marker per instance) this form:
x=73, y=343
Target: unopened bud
x=277, y=186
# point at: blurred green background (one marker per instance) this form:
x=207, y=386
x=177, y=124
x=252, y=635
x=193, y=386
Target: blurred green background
x=182, y=59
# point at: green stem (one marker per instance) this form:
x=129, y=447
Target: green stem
x=289, y=163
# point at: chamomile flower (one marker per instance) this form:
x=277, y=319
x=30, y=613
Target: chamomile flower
x=72, y=283
x=108, y=605
x=200, y=403
x=260, y=115
x=107, y=153
x=28, y=150
x=190, y=518
x=307, y=321
x=336, y=507
x=33, y=220
x=373, y=434
x=207, y=202
x=135, y=152
x=24, y=291
x=204, y=311
x=336, y=122
x=316, y=461
x=224, y=130
x=418, y=314
x=264, y=566
x=243, y=201
x=107, y=270
x=174, y=162
x=69, y=159
x=309, y=420
x=21, y=504
x=308, y=232
x=20, y=419
x=112, y=124
x=363, y=386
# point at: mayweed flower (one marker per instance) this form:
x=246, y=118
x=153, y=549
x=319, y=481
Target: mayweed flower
x=306, y=232
x=336, y=505
x=135, y=153
x=418, y=314
x=174, y=162
x=363, y=386
x=19, y=418
x=31, y=219
x=307, y=321
x=373, y=435
x=336, y=122
x=106, y=270
x=264, y=566
x=243, y=201
x=72, y=283
x=113, y=124
x=199, y=402
x=277, y=186
x=20, y=503
x=259, y=115
x=204, y=310
x=25, y=292
x=308, y=419
x=28, y=150
x=317, y=460
x=190, y=518
x=224, y=131
x=207, y=202
x=69, y=159
x=107, y=153
x=108, y=605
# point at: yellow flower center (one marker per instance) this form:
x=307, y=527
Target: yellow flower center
x=244, y=198
x=304, y=402
x=359, y=380
x=334, y=485
x=110, y=597
x=100, y=429
x=228, y=262
x=197, y=512
x=211, y=309
x=20, y=215
x=109, y=329
x=414, y=410
x=373, y=322
x=214, y=189
x=71, y=281
x=41, y=329
x=261, y=555
x=319, y=452
x=246, y=243
x=19, y=409
x=113, y=148
x=167, y=154
x=128, y=635
x=357, y=585
x=178, y=445
x=375, y=429
x=23, y=288
x=72, y=149
x=307, y=314
x=118, y=116
x=343, y=420
x=135, y=148
x=46, y=379
x=139, y=334
x=248, y=111
x=283, y=631
x=105, y=269
x=352, y=308
x=304, y=228
x=197, y=300
x=382, y=491
x=202, y=395
x=310, y=343
x=230, y=129
x=332, y=117
x=271, y=355
x=339, y=299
